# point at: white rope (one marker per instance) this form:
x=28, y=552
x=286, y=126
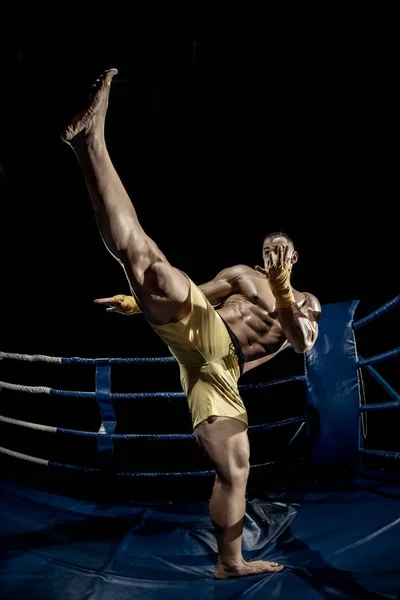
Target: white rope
x=34, y=459
x=24, y=388
x=31, y=357
x=36, y=426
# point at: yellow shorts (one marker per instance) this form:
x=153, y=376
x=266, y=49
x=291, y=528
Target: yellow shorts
x=209, y=368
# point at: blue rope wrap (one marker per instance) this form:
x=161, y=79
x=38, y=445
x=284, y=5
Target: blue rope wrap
x=177, y=436
x=373, y=360
x=377, y=313
x=72, y=394
x=74, y=360
x=381, y=453
x=172, y=395
x=386, y=386
x=381, y=406
x=58, y=465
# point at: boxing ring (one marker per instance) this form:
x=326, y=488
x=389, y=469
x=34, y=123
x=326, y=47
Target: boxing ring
x=336, y=541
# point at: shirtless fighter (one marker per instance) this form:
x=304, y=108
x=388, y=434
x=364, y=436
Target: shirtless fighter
x=216, y=331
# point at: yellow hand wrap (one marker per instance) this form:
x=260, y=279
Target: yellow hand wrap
x=125, y=305
x=279, y=282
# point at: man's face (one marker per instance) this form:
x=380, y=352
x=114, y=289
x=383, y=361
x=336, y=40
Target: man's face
x=272, y=246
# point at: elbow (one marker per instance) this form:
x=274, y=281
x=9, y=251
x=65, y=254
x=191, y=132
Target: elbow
x=303, y=346
x=306, y=340
x=300, y=348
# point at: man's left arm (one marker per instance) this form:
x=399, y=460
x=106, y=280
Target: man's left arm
x=298, y=314
x=300, y=324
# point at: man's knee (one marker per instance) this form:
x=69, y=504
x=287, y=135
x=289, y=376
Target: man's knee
x=234, y=476
x=142, y=260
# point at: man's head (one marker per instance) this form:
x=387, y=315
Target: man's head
x=271, y=243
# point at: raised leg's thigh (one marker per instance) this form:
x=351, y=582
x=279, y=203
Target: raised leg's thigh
x=161, y=289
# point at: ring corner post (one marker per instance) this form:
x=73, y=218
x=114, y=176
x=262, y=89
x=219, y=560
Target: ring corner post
x=333, y=388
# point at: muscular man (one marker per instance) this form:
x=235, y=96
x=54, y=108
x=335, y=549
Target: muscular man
x=258, y=314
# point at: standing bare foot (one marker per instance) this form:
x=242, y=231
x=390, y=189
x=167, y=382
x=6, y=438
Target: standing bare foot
x=246, y=568
x=91, y=120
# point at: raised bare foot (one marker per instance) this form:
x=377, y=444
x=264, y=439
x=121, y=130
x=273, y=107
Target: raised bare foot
x=246, y=568
x=91, y=120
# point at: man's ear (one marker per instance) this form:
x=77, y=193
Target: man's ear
x=294, y=258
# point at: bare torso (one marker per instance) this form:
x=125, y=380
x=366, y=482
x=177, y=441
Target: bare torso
x=250, y=313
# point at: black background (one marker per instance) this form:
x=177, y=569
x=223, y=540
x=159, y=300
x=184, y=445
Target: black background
x=285, y=127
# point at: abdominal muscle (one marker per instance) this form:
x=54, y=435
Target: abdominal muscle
x=258, y=330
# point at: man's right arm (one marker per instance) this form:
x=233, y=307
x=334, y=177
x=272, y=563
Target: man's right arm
x=223, y=285
x=216, y=291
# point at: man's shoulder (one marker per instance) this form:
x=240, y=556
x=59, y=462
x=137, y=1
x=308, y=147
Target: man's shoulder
x=311, y=301
x=243, y=270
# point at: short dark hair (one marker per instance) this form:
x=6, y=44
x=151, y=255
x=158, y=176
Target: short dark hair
x=279, y=234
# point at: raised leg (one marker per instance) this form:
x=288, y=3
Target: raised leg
x=161, y=289
x=226, y=443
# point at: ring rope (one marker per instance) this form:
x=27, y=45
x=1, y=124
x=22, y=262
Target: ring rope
x=31, y=357
x=38, y=427
x=25, y=388
x=377, y=313
x=380, y=406
x=143, y=436
x=34, y=459
x=47, y=463
x=381, y=453
x=383, y=383
x=41, y=461
x=379, y=357
x=123, y=396
x=89, y=361
x=138, y=395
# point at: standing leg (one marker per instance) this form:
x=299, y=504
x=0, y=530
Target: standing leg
x=226, y=443
x=161, y=289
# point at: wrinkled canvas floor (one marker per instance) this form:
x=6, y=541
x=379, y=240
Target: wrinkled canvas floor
x=335, y=543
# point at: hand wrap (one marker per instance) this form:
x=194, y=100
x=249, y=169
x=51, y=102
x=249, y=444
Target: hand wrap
x=279, y=282
x=125, y=305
